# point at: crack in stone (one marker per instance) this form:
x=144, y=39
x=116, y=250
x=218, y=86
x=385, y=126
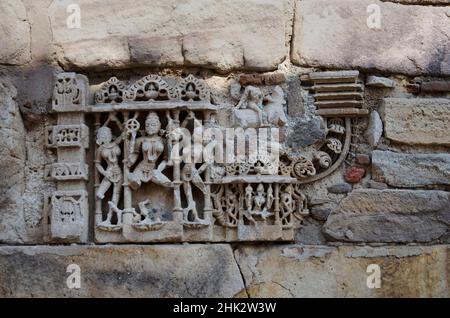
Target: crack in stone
x=240, y=271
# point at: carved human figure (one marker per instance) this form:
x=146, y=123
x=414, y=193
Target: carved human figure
x=249, y=198
x=190, y=174
x=109, y=151
x=152, y=146
x=252, y=99
x=232, y=206
x=270, y=197
x=259, y=199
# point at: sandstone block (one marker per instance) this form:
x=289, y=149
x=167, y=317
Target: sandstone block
x=120, y=271
x=12, y=166
x=368, y=215
x=320, y=271
x=421, y=121
x=15, y=33
x=336, y=34
x=379, y=82
x=411, y=170
x=223, y=36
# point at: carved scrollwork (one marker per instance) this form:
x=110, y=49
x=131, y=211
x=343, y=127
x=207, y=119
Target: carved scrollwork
x=334, y=145
x=336, y=125
x=324, y=160
x=303, y=168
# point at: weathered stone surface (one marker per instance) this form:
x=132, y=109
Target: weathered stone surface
x=320, y=214
x=340, y=188
x=411, y=170
x=318, y=271
x=335, y=34
x=390, y=216
x=376, y=185
x=362, y=159
x=15, y=33
x=420, y=2
x=308, y=132
x=379, y=82
x=262, y=79
x=120, y=271
x=375, y=129
x=435, y=87
x=421, y=121
x=12, y=165
x=222, y=36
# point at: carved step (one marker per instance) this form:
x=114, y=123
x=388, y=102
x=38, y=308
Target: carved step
x=336, y=87
x=332, y=77
x=338, y=96
x=338, y=104
x=345, y=112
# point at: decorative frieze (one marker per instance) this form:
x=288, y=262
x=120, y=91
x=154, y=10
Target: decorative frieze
x=165, y=170
x=60, y=171
x=60, y=136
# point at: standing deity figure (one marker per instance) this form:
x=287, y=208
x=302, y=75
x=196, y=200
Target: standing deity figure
x=259, y=198
x=152, y=146
x=109, y=151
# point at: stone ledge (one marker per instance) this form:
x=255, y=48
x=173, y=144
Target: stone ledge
x=212, y=270
x=120, y=271
x=320, y=271
x=411, y=170
x=388, y=216
x=418, y=121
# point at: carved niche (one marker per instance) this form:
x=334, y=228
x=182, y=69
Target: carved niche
x=143, y=188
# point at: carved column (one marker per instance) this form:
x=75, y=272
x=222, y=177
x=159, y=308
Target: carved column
x=68, y=209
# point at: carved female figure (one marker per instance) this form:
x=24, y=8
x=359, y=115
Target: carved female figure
x=109, y=151
x=259, y=198
x=151, y=145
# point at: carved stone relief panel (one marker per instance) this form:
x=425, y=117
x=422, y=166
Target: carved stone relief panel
x=156, y=177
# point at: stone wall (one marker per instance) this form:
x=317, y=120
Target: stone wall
x=388, y=202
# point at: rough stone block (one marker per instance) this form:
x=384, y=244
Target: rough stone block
x=336, y=34
x=401, y=216
x=12, y=166
x=120, y=271
x=222, y=36
x=411, y=170
x=421, y=121
x=15, y=33
x=320, y=271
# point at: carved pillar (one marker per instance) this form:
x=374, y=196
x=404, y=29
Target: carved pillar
x=69, y=214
